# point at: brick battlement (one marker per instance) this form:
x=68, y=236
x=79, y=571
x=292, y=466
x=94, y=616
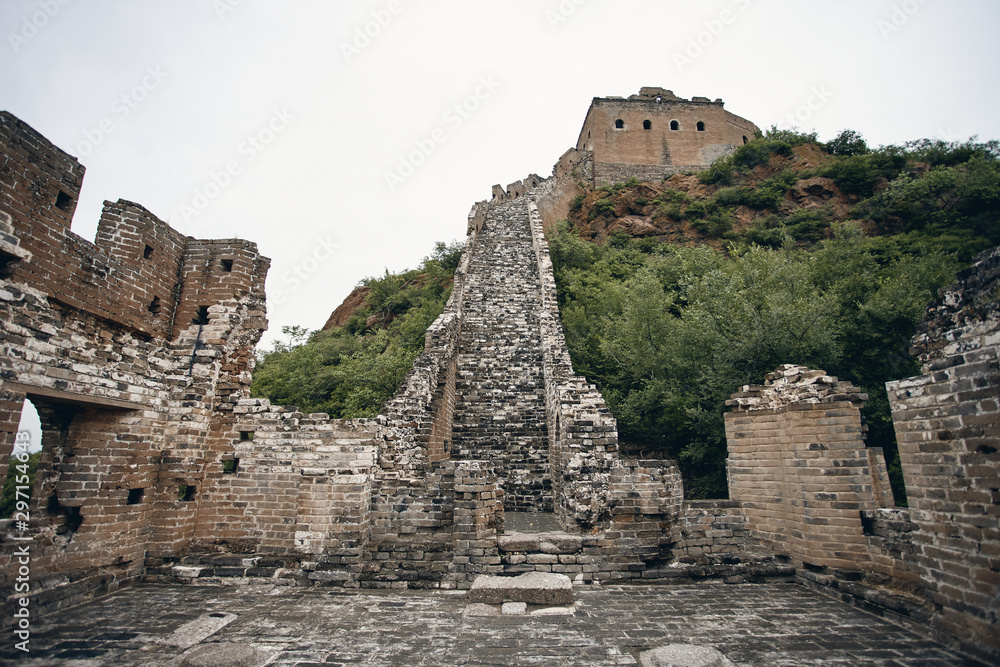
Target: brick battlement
x=134, y=349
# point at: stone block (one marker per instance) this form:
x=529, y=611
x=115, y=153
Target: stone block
x=533, y=588
x=684, y=655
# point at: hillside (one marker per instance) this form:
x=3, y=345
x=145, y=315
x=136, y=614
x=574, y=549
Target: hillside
x=357, y=361
x=674, y=294
x=787, y=184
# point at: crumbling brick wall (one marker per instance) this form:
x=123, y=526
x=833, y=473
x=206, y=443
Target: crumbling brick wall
x=799, y=466
x=134, y=349
x=948, y=428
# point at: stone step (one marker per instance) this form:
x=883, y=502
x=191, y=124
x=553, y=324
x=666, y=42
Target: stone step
x=542, y=588
x=555, y=542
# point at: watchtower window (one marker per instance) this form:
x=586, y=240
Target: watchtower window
x=63, y=201
x=227, y=265
x=647, y=125
x=674, y=125
x=745, y=140
x=186, y=493
x=701, y=126
x=619, y=124
x=155, y=306
x=147, y=252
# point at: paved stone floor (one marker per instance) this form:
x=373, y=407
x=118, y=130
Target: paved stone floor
x=781, y=624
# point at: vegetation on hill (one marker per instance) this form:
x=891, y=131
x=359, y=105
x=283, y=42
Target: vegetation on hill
x=350, y=371
x=739, y=270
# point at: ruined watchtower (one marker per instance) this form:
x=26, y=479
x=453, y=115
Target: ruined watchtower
x=656, y=133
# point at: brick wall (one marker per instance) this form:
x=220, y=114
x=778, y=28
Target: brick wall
x=135, y=399
x=948, y=428
x=799, y=467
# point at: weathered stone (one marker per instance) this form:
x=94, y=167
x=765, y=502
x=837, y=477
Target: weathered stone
x=198, y=630
x=227, y=655
x=684, y=655
x=531, y=587
x=480, y=609
x=514, y=608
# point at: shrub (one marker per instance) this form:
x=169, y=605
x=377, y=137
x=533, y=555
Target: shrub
x=848, y=143
x=756, y=152
x=767, y=194
x=859, y=174
x=603, y=206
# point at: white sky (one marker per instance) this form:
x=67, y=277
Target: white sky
x=201, y=76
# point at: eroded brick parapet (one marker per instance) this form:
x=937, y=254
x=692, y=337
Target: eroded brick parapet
x=135, y=349
x=799, y=466
x=591, y=484
x=947, y=424
x=791, y=384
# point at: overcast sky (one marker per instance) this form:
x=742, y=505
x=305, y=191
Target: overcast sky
x=346, y=138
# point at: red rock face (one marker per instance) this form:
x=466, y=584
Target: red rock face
x=344, y=311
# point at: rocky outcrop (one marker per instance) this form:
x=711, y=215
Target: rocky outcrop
x=342, y=313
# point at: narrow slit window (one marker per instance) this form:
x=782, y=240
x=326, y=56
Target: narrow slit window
x=63, y=201
x=202, y=316
x=745, y=140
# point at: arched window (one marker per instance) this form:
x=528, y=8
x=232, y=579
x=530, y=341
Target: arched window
x=619, y=124
x=745, y=140
x=674, y=125
x=647, y=125
x=701, y=126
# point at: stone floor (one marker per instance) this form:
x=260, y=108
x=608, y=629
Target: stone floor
x=780, y=624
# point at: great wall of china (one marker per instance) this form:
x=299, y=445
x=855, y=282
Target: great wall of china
x=157, y=466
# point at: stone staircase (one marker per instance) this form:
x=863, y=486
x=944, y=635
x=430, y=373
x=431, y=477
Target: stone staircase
x=499, y=388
